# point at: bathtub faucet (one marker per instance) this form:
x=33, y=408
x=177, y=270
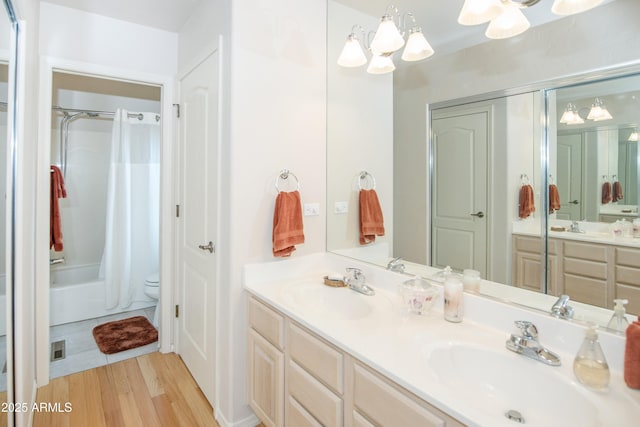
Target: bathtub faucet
x=56, y=261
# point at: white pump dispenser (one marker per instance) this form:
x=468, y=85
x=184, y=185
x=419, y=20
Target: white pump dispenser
x=618, y=320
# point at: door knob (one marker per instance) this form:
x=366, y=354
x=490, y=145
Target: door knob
x=574, y=202
x=479, y=214
x=208, y=247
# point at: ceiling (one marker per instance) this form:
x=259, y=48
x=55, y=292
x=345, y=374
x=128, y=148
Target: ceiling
x=167, y=15
x=438, y=18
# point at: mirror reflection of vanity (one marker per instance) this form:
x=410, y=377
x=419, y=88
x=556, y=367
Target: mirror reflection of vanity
x=472, y=82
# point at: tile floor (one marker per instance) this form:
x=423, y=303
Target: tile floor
x=82, y=352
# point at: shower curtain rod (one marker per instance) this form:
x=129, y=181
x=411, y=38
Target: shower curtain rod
x=139, y=116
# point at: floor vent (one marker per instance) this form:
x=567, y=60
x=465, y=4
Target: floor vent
x=57, y=350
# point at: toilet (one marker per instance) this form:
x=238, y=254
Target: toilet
x=152, y=290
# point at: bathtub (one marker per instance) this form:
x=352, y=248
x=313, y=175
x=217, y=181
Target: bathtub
x=76, y=293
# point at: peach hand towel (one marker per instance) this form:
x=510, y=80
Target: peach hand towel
x=527, y=205
x=606, y=193
x=58, y=191
x=287, y=223
x=371, y=220
x=554, y=198
x=617, y=192
x=632, y=356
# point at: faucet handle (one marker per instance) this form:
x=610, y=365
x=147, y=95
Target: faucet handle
x=528, y=329
x=356, y=272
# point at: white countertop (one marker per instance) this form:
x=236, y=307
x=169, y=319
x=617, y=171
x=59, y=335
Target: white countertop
x=399, y=344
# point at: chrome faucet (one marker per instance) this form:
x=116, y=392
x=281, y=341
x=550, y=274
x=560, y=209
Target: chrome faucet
x=396, y=265
x=527, y=344
x=561, y=308
x=575, y=228
x=356, y=281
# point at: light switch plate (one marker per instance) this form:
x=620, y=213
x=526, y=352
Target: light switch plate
x=340, y=207
x=311, y=209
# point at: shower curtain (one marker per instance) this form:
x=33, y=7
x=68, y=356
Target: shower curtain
x=133, y=208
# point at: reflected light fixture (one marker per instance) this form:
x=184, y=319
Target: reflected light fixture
x=634, y=136
x=388, y=39
x=505, y=17
x=598, y=111
x=569, y=7
x=571, y=116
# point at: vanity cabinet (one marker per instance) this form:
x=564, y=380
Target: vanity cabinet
x=298, y=379
x=589, y=272
x=527, y=264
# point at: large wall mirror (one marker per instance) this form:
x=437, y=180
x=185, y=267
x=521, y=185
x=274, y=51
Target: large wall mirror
x=8, y=40
x=450, y=193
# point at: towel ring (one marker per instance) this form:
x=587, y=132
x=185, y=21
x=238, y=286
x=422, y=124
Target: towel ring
x=524, y=179
x=284, y=176
x=363, y=177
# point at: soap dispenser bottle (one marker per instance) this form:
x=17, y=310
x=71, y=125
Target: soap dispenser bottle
x=590, y=365
x=618, y=321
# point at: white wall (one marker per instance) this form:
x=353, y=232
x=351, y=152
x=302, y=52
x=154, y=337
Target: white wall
x=359, y=133
x=534, y=56
x=278, y=118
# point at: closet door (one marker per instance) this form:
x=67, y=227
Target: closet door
x=459, y=211
x=198, y=221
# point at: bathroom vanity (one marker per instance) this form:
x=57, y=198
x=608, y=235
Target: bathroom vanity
x=319, y=355
x=593, y=267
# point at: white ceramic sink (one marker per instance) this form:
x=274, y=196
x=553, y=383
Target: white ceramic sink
x=340, y=303
x=497, y=381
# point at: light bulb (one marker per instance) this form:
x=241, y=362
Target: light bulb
x=508, y=24
x=380, y=64
x=476, y=12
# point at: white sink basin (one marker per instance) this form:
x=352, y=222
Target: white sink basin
x=339, y=303
x=495, y=382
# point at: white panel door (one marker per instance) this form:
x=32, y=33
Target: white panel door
x=459, y=212
x=570, y=177
x=199, y=109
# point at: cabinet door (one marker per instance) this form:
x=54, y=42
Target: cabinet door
x=298, y=416
x=266, y=380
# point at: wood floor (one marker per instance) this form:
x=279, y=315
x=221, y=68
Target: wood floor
x=151, y=390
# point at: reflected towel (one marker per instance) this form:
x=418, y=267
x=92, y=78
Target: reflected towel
x=527, y=205
x=617, y=192
x=554, y=198
x=287, y=223
x=606, y=193
x=632, y=356
x=371, y=220
x=55, y=224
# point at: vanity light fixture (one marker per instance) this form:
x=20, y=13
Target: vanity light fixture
x=388, y=39
x=571, y=116
x=634, y=136
x=598, y=111
x=506, y=18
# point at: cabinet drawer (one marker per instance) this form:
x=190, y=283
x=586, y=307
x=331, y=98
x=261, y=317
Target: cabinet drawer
x=317, y=357
x=385, y=405
x=528, y=244
x=298, y=416
x=628, y=275
x=585, y=251
x=631, y=293
x=314, y=397
x=266, y=322
x=589, y=291
x=360, y=421
x=627, y=256
x=586, y=268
